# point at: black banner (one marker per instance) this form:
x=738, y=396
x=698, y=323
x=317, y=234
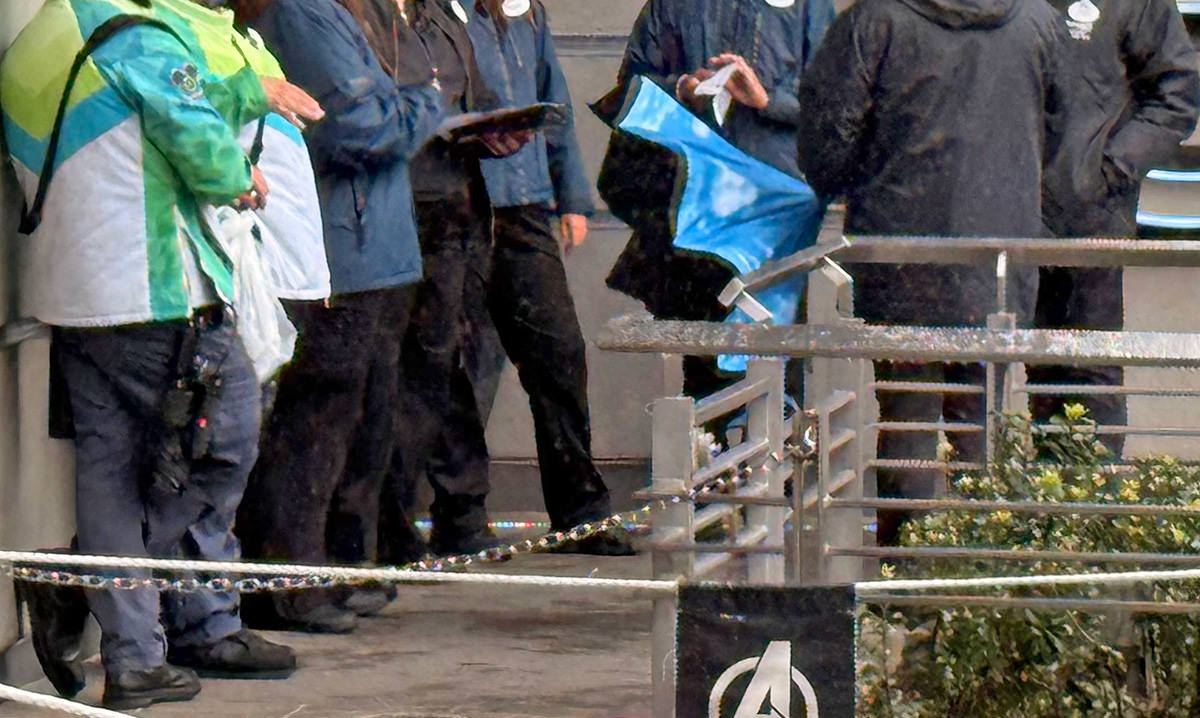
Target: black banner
x=746, y=652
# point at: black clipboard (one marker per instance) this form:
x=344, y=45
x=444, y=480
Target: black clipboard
x=472, y=126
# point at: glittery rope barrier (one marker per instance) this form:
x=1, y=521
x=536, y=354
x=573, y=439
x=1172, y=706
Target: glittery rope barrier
x=38, y=700
x=327, y=575
x=51, y=567
x=867, y=588
x=293, y=577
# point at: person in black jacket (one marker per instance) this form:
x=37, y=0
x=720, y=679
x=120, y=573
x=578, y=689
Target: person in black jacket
x=1132, y=96
x=325, y=450
x=440, y=417
x=931, y=118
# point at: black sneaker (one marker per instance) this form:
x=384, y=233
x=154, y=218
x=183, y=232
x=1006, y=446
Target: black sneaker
x=137, y=689
x=614, y=542
x=369, y=600
x=57, y=616
x=266, y=614
x=455, y=543
x=243, y=655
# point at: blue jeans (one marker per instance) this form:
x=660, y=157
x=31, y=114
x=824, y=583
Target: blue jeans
x=116, y=379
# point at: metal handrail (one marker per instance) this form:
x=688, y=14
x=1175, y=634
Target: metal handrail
x=1016, y=507
x=1035, y=252
x=639, y=332
x=1003, y=554
x=22, y=330
x=1043, y=604
x=1043, y=252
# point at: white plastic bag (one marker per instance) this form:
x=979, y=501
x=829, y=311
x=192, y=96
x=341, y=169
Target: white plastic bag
x=293, y=251
x=268, y=335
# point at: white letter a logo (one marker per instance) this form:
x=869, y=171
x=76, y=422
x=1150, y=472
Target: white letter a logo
x=771, y=684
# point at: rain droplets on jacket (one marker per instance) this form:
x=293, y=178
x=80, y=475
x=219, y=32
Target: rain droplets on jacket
x=362, y=147
x=149, y=136
x=674, y=37
x=1131, y=94
x=932, y=117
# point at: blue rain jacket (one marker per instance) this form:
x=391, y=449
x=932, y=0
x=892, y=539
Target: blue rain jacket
x=729, y=204
x=519, y=65
x=361, y=149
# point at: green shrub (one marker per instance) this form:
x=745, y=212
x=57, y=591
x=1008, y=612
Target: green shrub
x=1019, y=663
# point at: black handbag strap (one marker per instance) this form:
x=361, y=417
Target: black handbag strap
x=256, y=149
x=31, y=217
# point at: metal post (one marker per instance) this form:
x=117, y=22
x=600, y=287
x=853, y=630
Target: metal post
x=997, y=384
x=865, y=445
x=824, y=470
x=671, y=467
x=672, y=374
x=765, y=420
x=831, y=302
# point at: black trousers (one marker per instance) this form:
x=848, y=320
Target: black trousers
x=534, y=315
x=1082, y=298
x=314, y=495
x=439, y=424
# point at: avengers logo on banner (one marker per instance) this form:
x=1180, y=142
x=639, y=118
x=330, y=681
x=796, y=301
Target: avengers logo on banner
x=751, y=652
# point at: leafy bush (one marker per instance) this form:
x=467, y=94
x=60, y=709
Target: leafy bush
x=1021, y=663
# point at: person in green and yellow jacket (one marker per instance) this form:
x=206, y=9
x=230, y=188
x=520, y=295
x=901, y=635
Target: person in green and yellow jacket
x=164, y=401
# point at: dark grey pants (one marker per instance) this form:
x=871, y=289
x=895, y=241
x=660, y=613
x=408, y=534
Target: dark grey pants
x=116, y=379
x=534, y=314
x=439, y=424
x=1082, y=298
x=531, y=318
x=314, y=496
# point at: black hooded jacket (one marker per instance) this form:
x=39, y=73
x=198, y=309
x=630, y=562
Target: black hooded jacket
x=1131, y=95
x=933, y=117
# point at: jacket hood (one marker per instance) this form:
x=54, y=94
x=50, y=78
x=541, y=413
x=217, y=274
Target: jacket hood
x=965, y=14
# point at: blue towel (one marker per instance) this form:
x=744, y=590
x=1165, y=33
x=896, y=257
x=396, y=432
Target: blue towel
x=729, y=204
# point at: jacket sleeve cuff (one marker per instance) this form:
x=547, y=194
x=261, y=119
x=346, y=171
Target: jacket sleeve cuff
x=782, y=107
x=1139, y=146
x=576, y=205
x=247, y=85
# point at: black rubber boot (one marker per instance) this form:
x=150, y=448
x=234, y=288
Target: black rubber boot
x=308, y=611
x=614, y=542
x=137, y=689
x=367, y=601
x=57, y=616
x=243, y=655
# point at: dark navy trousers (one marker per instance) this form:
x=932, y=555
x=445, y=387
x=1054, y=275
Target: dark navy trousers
x=116, y=379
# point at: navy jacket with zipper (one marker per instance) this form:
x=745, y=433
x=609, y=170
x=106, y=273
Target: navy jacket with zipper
x=361, y=149
x=518, y=63
x=673, y=37
x=638, y=178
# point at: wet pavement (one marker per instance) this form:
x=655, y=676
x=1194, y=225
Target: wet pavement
x=455, y=651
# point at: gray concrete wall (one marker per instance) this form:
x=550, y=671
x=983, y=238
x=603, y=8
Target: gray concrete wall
x=35, y=484
x=1163, y=300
